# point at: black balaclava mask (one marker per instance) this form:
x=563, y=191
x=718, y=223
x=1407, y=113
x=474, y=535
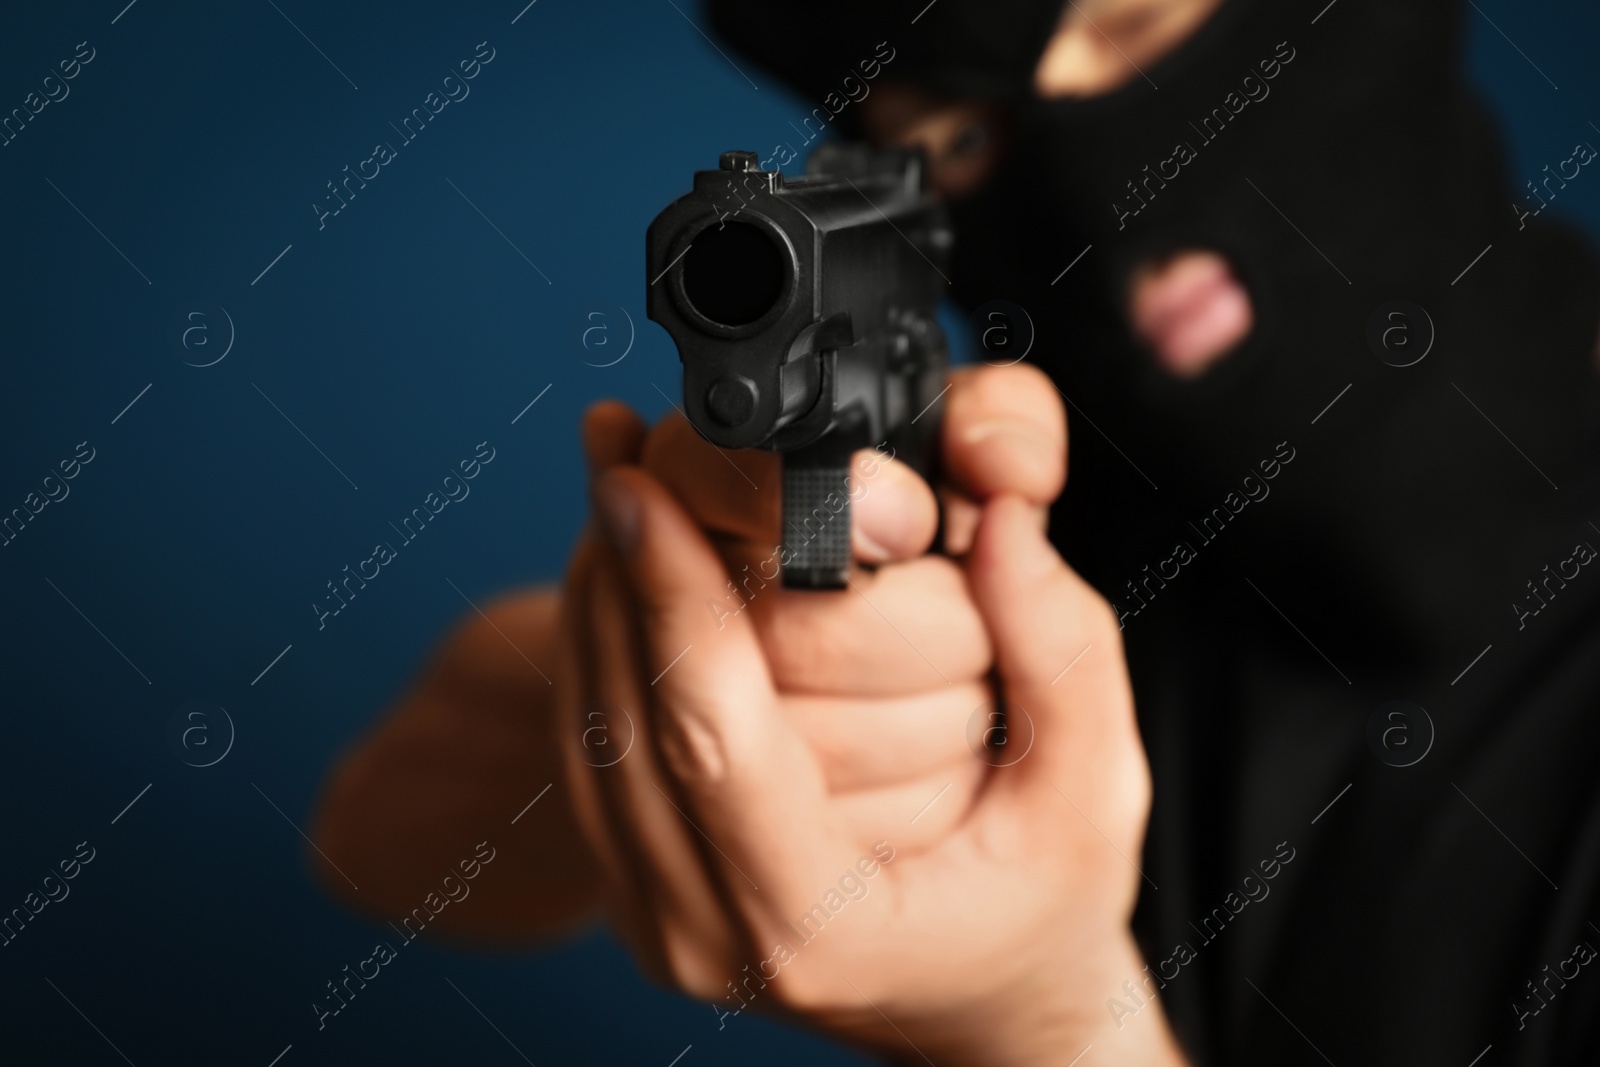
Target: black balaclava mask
x=1334, y=156
x=1339, y=166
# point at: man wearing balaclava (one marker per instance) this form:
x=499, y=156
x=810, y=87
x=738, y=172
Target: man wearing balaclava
x=1328, y=161
x=1307, y=673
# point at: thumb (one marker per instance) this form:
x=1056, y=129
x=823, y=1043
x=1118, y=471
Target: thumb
x=1058, y=647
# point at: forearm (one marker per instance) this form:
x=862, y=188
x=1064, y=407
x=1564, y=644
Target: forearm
x=458, y=758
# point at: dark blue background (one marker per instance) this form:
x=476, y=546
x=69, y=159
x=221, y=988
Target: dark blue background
x=396, y=338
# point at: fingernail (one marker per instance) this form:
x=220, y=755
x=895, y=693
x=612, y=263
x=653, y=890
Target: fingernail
x=1021, y=443
x=1027, y=432
x=868, y=549
x=619, y=510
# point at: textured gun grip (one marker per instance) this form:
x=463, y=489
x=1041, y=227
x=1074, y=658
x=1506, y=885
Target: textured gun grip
x=816, y=535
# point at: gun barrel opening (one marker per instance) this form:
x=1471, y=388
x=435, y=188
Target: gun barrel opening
x=734, y=273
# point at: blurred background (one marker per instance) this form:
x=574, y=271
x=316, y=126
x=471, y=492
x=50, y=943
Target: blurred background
x=264, y=388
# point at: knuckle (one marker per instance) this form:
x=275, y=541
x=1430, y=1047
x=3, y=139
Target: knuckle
x=804, y=987
x=694, y=752
x=1093, y=613
x=687, y=967
x=1103, y=618
x=797, y=638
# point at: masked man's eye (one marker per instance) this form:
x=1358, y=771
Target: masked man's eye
x=963, y=139
x=973, y=138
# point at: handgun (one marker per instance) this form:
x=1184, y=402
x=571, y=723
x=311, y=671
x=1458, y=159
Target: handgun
x=804, y=315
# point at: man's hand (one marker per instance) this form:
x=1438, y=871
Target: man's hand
x=792, y=751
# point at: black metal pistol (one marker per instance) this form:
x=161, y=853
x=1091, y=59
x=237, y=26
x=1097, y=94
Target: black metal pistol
x=804, y=315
